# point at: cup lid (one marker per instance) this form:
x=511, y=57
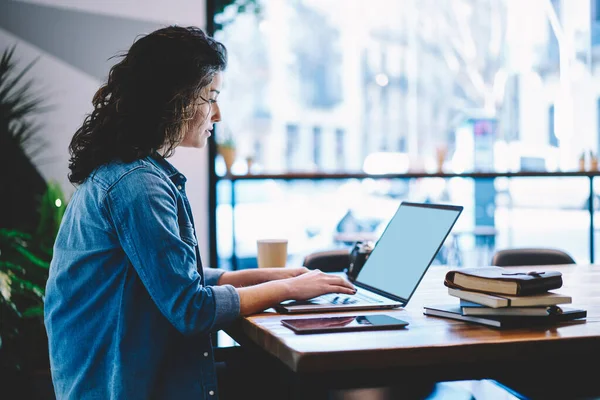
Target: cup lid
x=272, y=240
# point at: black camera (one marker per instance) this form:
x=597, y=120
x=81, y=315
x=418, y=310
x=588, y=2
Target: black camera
x=359, y=254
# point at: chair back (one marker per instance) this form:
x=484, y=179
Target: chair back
x=531, y=256
x=328, y=260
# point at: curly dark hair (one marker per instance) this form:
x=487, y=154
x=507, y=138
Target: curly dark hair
x=148, y=99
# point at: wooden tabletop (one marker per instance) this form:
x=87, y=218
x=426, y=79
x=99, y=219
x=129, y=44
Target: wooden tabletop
x=432, y=341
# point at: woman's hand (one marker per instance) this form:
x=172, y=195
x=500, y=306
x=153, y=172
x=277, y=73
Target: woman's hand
x=315, y=283
x=250, y=277
x=304, y=286
x=285, y=273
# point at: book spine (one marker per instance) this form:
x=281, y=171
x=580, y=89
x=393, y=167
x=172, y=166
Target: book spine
x=506, y=312
x=539, y=286
x=481, y=298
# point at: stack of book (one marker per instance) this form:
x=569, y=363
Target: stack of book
x=502, y=298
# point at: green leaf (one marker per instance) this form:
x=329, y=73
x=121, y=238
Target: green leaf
x=28, y=286
x=12, y=233
x=10, y=306
x=32, y=257
x=24, y=255
x=35, y=311
x=7, y=265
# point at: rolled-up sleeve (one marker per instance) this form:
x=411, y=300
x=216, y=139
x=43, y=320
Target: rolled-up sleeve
x=143, y=208
x=212, y=276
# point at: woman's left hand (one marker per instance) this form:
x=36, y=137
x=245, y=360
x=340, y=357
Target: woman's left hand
x=285, y=273
x=254, y=276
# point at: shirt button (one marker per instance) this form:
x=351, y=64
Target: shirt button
x=205, y=354
x=212, y=393
x=179, y=187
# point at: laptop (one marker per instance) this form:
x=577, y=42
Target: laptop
x=396, y=265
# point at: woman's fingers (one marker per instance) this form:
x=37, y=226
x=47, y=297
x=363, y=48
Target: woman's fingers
x=338, y=281
x=316, y=283
x=343, y=290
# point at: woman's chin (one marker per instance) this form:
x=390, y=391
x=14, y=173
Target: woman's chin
x=202, y=142
x=198, y=143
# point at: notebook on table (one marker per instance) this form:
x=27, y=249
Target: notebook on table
x=455, y=312
x=497, y=301
x=503, y=281
x=396, y=265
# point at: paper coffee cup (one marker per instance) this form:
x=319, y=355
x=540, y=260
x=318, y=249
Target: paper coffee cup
x=271, y=253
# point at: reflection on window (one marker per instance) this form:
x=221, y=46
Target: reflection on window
x=595, y=22
x=553, y=140
x=340, y=137
x=292, y=144
x=258, y=149
x=318, y=62
x=552, y=48
x=317, y=146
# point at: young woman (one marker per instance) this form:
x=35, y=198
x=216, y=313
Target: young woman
x=129, y=309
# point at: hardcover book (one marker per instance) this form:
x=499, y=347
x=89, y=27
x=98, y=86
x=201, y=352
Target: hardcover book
x=496, y=300
x=503, y=281
x=455, y=312
x=469, y=308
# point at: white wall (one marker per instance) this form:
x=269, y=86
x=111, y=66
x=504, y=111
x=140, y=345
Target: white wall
x=181, y=12
x=69, y=90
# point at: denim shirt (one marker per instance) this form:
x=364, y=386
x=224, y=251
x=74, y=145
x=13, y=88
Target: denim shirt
x=128, y=308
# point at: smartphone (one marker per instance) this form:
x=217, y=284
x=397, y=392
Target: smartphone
x=344, y=324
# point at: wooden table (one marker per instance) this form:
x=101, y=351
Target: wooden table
x=560, y=357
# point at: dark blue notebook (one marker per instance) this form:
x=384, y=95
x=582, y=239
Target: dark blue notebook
x=454, y=312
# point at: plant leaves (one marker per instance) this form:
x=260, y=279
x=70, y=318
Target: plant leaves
x=7, y=265
x=12, y=233
x=32, y=257
x=35, y=311
x=10, y=306
x=27, y=286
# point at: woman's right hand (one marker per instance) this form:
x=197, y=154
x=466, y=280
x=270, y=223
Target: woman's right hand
x=311, y=284
x=316, y=283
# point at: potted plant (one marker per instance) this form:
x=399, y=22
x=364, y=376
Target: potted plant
x=227, y=150
x=30, y=213
x=24, y=265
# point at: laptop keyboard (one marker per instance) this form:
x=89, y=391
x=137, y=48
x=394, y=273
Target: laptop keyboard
x=333, y=298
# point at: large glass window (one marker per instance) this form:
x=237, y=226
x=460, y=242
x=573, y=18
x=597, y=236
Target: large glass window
x=411, y=86
x=406, y=76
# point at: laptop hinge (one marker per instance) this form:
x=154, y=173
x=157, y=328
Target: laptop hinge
x=381, y=292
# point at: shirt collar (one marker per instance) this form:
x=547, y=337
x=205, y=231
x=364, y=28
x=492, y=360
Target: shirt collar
x=161, y=163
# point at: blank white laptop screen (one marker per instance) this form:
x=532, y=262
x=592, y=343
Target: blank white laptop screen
x=406, y=248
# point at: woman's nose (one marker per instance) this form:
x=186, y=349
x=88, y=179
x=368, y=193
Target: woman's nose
x=216, y=113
